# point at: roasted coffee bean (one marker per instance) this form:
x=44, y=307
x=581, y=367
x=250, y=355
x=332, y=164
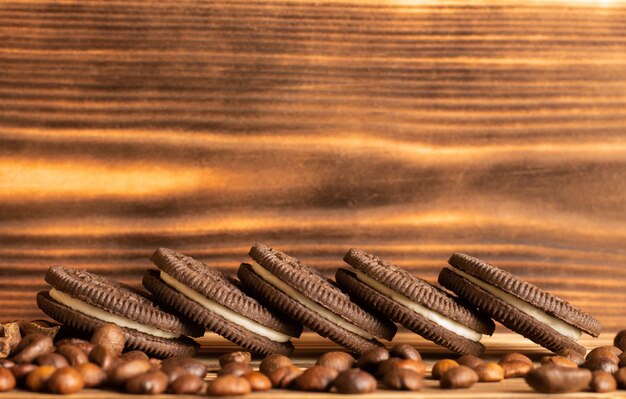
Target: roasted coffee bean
x=32, y=346
x=558, y=361
x=85, y=346
x=21, y=371
x=127, y=370
x=620, y=377
x=173, y=373
x=236, y=369
x=515, y=356
x=601, y=381
x=555, y=379
x=65, y=381
x=442, y=366
x=572, y=355
x=317, y=378
x=193, y=366
x=371, y=359
x=37, y=379
x=604, y=363
x=55, y=360
x=603, y=351
x=354, y=381
x=189, y=384
x=416, y=365
x=515, y=368
x=7, y=379
x=340, y=361
x=73, y=354
x=93, y=376
x=622, y=360
x=229, y=385
x=403, y=380
x=134, y=355
x=405, y=351
x=235, y=357
x=458, y=378
x=470, y=361
x=273, y=362
x=284, y=376
x=620, y=340
x=110, y=336
x=258, y=381
x=151, y=383
x=100, y=356
x=489, y=372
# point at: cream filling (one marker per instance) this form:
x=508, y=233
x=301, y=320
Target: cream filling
x=437, y=318
x=223, y=311
x=103, y=315
x=309, y=304
x=559, y=325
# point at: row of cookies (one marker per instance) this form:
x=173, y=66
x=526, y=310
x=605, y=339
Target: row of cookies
x=275, y=295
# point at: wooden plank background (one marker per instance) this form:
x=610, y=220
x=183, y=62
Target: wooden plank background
x=410, y=129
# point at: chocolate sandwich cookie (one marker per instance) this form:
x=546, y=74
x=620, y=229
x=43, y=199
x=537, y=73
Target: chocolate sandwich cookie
x=524, y=308
x=300, y=292
x=413, y=303
x=84, y=301
x=211, y=299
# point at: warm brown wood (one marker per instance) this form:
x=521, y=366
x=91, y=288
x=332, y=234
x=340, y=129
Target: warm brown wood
x=410, y=129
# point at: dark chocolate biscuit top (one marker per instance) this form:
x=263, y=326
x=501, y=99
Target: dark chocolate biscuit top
x=214, y=285
x=527, y=292
x=418, y=290
x=116, y=298
x=310, y=283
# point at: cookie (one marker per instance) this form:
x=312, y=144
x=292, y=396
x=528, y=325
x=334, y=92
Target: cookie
x=413, y=303
x=211, y=299
x=522, y=307
x=301, y=293
x=84, y=301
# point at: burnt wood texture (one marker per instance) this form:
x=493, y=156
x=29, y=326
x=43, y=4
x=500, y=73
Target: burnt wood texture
x=408, y=129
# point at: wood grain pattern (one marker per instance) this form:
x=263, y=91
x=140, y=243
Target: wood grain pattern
x=409, y=129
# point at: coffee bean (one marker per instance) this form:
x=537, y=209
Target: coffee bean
x=602, y=381
x=403, y=380
x=317, y=378
x=37, y=379
x=52, y=359
x=354, y=381
x=258, y=381
x=416, y=365
x=515, y=356
x=85, y=346
x=386, y=366
x=604, y=363
x=442, y=366
x=229, y=385
x=151, y=383
x=235, y=357
x=65, y=381
x=188, y=384
x=193, y=366
x=515, y=368
x=572, y=355
x=173, y=373
x=236, y=369
x=555, y=379
x=558, y=361
x=604, y=351
x=127, y=370
x=340, y=361
x=7, y=379
x=405, y=351
x=93, y=376
x=620, y=377
x=273, y=362
x=111, y=336
x=489, y=372
x=470, y=361
x=282, y=377
x=620, y=340
x=73, y=354
x=458, y=378
x=21, y=371
x=622, y=360
x=32, y=346
x=135, y=355
x=100, y=356
x=371, y=359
